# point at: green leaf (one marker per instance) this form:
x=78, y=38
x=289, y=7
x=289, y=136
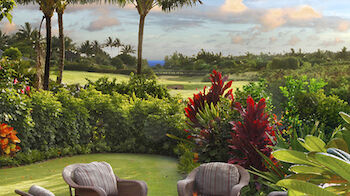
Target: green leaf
x=338, y=143
x=312, y=143
x=337, y=165
x=292, y=156
x=304, y=187
x=345, y=116
x=306, y=169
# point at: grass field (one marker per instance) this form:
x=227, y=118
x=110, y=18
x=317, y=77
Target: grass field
x=158, y=172
x=190, y=84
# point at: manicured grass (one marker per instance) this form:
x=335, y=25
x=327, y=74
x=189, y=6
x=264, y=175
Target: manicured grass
x=158, y=172
x=190, y=84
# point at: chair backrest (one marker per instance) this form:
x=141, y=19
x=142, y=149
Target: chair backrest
x=216, y=178
x=92, y=174
x=39, y=191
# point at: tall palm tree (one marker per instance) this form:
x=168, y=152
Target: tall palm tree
x=47, y=7
x=144, y=7
x=128, y=49
x=39, y=55
x=117, y=44
x=60, y=7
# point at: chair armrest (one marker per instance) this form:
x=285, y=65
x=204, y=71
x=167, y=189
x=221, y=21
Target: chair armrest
x=185, y=187
x=19, y=192
x=131, y=187
x=244, y=181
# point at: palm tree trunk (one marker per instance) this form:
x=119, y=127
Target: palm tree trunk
x=48, y=52
x=139, y=50
x=39, y=62
x=62, y=47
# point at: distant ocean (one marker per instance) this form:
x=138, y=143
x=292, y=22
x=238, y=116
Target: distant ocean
x=154, y=63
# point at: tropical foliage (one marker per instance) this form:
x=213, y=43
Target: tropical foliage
x=8, y=140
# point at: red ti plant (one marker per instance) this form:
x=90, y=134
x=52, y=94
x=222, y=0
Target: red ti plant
x=207, y=122
x=250, y=135
x=213, y=96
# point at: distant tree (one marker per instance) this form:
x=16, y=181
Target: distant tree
x=144, y=7
x=26, y=32
x=6, y=7
x=116, y=43
x=86, y=48
x=128, y=49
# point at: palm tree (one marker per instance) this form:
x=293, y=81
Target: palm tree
x=144, y=7
x=25, y=32
x=60, y=7
x=128, y=49
x=86, y=48
x=39, y=54
x=48, y=8
x=113, y=43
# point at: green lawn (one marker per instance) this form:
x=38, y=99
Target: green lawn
x=160, y=173
x=190, y=84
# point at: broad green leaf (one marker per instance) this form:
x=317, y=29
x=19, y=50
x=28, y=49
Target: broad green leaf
x=292, y=156
x=337, y=165
x=345, y=116
x=338, y=143
x=312, y=143
x=312, y=178
x=306, y=169
x=304, y=187
x=339, y=189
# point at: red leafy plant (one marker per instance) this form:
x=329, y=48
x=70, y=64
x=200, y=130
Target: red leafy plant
x=205, y=124
x=252, y=134
x=8, y=140
x=216, y=91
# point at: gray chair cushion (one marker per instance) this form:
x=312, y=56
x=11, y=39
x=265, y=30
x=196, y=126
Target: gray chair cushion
x=98, y=174
x=216, y=179
x=39, y=191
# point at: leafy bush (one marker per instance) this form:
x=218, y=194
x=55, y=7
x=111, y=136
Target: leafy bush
x=284, y=63
x=141, y=86
x=12, y=54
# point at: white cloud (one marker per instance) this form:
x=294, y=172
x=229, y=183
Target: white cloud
x=103, y=21
x=233, y=6
x=294, y=40
x=237, y=39
x=343, y=26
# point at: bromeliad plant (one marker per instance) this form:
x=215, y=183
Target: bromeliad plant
x=8, y=140
x=207, y=119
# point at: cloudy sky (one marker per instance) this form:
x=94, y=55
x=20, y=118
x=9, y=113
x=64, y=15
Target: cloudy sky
x=228, y=26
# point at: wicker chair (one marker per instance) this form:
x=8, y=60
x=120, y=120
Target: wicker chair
x=35, y=191
x=125, y=187
x=214, y=178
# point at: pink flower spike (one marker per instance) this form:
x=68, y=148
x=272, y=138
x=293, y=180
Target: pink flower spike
x=22, y=91
x=28, y=89
x=15, y=81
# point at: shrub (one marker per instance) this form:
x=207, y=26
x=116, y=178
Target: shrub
x=12, y=54
x=141, y=86
x=284, y=63
x=118, y=63
x=15, y=110
x=46, y=111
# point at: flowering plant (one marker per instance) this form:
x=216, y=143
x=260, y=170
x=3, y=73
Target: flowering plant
x=8, y=140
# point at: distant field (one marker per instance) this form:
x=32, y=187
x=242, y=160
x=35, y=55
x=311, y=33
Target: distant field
x=187, y=85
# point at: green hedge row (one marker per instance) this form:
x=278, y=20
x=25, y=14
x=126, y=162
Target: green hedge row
x=106, y=123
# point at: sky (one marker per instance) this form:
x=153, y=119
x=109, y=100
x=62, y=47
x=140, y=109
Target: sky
x=233, y=27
